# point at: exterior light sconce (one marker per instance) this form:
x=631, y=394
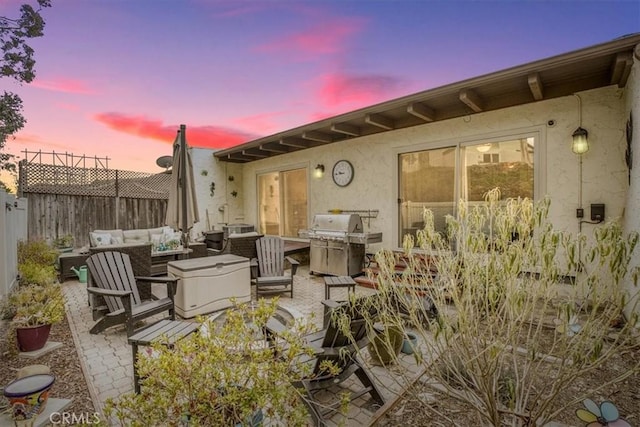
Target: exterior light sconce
x=319, y=171
x=580, y=144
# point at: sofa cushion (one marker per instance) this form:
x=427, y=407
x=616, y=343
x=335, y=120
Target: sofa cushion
x=139, y=236
x=160, y=230
x=114, y=234
x=99, y=239
x=240, y=235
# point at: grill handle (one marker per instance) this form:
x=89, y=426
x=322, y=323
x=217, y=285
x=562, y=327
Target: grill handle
x=335, y=248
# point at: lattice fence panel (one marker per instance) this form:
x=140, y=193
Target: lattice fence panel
x=57, y=179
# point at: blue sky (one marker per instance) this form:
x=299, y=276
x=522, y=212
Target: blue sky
x=116, y=78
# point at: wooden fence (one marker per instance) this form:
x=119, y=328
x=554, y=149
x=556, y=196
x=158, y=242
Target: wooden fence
x=56, y=215
x=70, y=200
x=13, y=227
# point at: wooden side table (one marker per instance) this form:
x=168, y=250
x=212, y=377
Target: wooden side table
x=331, y=282
x=67, y=260
x=334, y=282
x=170, y=330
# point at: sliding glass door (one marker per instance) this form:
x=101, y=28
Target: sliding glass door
x=435, y=178
x=282, y=202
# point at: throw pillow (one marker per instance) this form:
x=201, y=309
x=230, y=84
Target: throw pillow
x=100, y=239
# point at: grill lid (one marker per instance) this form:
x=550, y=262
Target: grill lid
x=344, y=223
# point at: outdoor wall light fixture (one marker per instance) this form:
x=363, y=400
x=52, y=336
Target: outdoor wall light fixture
x=319, y=171
x=580, y=143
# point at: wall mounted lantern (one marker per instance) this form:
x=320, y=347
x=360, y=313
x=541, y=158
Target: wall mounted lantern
x=580, y=144
x=319, y=171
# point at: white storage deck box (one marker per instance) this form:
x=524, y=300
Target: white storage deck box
x=206, y=284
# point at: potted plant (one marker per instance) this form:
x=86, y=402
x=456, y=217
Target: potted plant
x=34, y=308
x=63, y=243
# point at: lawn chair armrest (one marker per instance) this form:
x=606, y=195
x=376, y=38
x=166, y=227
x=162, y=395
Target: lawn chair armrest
x=108, y=292
x=329, y=303
x=156, y=279
x=171, y=282
x=294, y=264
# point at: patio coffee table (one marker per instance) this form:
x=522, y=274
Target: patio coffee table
x=170, y=330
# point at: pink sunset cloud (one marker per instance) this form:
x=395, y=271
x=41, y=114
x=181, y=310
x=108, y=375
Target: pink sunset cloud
x=64, y=85
x=261, y=124
x=326, y=38
x=197, y=136
x=338, y=90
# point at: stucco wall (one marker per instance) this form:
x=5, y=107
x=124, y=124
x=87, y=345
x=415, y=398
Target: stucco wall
x=632, y=207
x=375, y=160
x=222, y=207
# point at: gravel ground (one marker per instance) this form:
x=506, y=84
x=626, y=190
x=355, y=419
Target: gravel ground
x=64, y=363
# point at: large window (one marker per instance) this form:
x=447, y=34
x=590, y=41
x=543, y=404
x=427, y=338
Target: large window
x=282, y=202
x=436, y=178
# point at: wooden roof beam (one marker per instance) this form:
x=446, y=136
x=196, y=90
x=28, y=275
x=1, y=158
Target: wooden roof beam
x=472, y=100
x=252, y=153
x=317, y=136
x=234, y=157
x=293, y=142
x=346, y=129
x=621, y=69
x=535, y=86
x=380, y=121
x=279, y=149
x=421, y=111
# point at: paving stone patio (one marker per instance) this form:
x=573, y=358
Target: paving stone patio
x=107, y=357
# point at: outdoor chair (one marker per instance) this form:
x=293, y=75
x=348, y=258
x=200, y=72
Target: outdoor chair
x=341, y=349
x=271, y=277
x=113, y=279
x=140, y=257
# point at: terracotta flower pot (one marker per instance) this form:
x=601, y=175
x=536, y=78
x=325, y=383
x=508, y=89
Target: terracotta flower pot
x=33, y=338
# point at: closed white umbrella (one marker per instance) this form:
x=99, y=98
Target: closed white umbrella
x=182, y=207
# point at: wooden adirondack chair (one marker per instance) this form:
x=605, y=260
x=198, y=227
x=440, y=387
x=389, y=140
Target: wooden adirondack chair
x=271, y=277
x=334, y=345
x=112, y=277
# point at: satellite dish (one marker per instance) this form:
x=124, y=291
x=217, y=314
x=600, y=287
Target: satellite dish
x=164, y=162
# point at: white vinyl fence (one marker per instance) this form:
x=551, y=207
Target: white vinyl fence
x=13, y=227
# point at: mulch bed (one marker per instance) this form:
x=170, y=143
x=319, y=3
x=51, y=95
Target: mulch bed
x=64, y=363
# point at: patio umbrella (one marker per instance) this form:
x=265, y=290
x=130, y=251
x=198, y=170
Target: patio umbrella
x=182, y=207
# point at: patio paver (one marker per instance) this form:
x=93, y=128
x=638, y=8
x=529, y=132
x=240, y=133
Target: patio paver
x=107, y=362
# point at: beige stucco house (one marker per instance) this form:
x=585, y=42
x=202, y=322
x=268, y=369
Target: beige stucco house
x=513, y=127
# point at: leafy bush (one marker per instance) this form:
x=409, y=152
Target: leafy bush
x=37, y=252
x=500, y=283
x=34, y=305
x=220, y=376
x=34, y=273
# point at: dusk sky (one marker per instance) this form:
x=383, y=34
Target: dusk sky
x=116, y=78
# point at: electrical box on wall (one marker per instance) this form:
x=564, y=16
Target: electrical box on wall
x=597, y=212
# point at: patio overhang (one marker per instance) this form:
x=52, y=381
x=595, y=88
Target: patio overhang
x=590, y=68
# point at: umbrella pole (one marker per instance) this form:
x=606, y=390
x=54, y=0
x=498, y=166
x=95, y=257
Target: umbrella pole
x=183, y=183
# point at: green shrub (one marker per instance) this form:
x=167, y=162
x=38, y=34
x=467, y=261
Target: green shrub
x=32, y=272
x=37, y=252
x=34, y=305
x=220, y=377
x=512, y=335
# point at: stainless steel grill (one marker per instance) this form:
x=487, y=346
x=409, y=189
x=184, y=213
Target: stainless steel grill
x=337, y=244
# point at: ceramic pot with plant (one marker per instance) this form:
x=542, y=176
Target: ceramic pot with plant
x=35, y=308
